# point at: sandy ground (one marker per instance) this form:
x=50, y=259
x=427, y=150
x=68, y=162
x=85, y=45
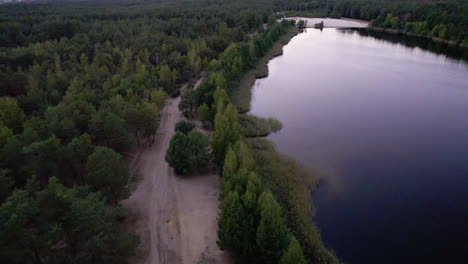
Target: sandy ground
x=175, y=217
x=333, y=22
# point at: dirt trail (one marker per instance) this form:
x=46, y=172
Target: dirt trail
x=175, y=217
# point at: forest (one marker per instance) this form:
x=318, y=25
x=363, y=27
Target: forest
x=82, y=85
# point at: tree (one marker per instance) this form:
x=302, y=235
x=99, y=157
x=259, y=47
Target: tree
x=184, y=126
x=229, y=226
x=110, y=130
x=188, y=102
x=78, y=150
x=6, y=185
x=199, y=149
x=227, y=131
x=61, y=225
x=5, y=133
x=45, y=158
x=106, y=172
x=204, y=114
x=167, y=78
x=177, y=155
x=187, y=153
x=272, y=234
x=157, y=97
x=11, y=115
x=293, y=255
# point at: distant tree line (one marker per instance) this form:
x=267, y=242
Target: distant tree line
x=446, y=20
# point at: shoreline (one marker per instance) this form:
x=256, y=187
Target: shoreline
x=399, y=32
x=329, y=22
x=242, y=95
x=291, y=182
x=381, y=29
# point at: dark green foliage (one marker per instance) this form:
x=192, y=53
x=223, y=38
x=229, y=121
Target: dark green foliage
x=184, y=126
x=106, y=172
x=272, y=233
x=291, y=185
x=293, y=255
x=259, y=127
x=11, y=115
x=204, y=114
x=61, y=225
x=188, y=103
x=188, y=152
x=87, y=74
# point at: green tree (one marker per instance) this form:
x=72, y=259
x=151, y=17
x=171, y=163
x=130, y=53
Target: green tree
x=61, y=225
x=272, y=234
x=188, y=102
x=78, y=150
x=167, y=78
x=204, y=114
x=177, y=153
x=44, y=158
x=293, y=254
x=227, y=131
x=157, y=97
x=229, y=226
x=187, y=153
x=199, y=149
x=107, y=172
x=110, y=130
x=184, y=126
x=5, y=133
x=11, y=115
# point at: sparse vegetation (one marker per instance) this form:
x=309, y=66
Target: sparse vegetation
x=257, y=126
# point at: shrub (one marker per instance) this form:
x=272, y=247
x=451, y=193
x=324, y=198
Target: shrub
x=187, y=153
x=184, y=126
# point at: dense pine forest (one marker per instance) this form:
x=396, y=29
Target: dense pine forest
x=82, y=85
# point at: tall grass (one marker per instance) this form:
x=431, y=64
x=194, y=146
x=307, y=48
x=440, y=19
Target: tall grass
x=291, y=185
x=255, y=126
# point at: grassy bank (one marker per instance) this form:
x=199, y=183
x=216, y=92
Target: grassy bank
x=291, y=185
x=242, y=95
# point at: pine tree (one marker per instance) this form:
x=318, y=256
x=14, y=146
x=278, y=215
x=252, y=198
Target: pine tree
x=204, y=114
x=187, y=102
x=227, y=131
x=106, y=172
x=272, y=233
x=293, y=254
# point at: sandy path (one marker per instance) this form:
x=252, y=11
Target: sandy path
x=175, y=217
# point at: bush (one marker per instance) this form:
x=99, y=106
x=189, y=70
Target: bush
x=187, y=153
x=184, y=126
x=255, y=126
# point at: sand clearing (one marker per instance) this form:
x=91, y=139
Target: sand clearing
x=175, y=217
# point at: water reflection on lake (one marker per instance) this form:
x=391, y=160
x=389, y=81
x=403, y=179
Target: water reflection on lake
x=386, y=120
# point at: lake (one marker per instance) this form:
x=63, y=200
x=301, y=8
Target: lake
x=385, y=121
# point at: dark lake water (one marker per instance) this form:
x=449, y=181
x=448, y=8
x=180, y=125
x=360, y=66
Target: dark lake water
x=386, y=122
